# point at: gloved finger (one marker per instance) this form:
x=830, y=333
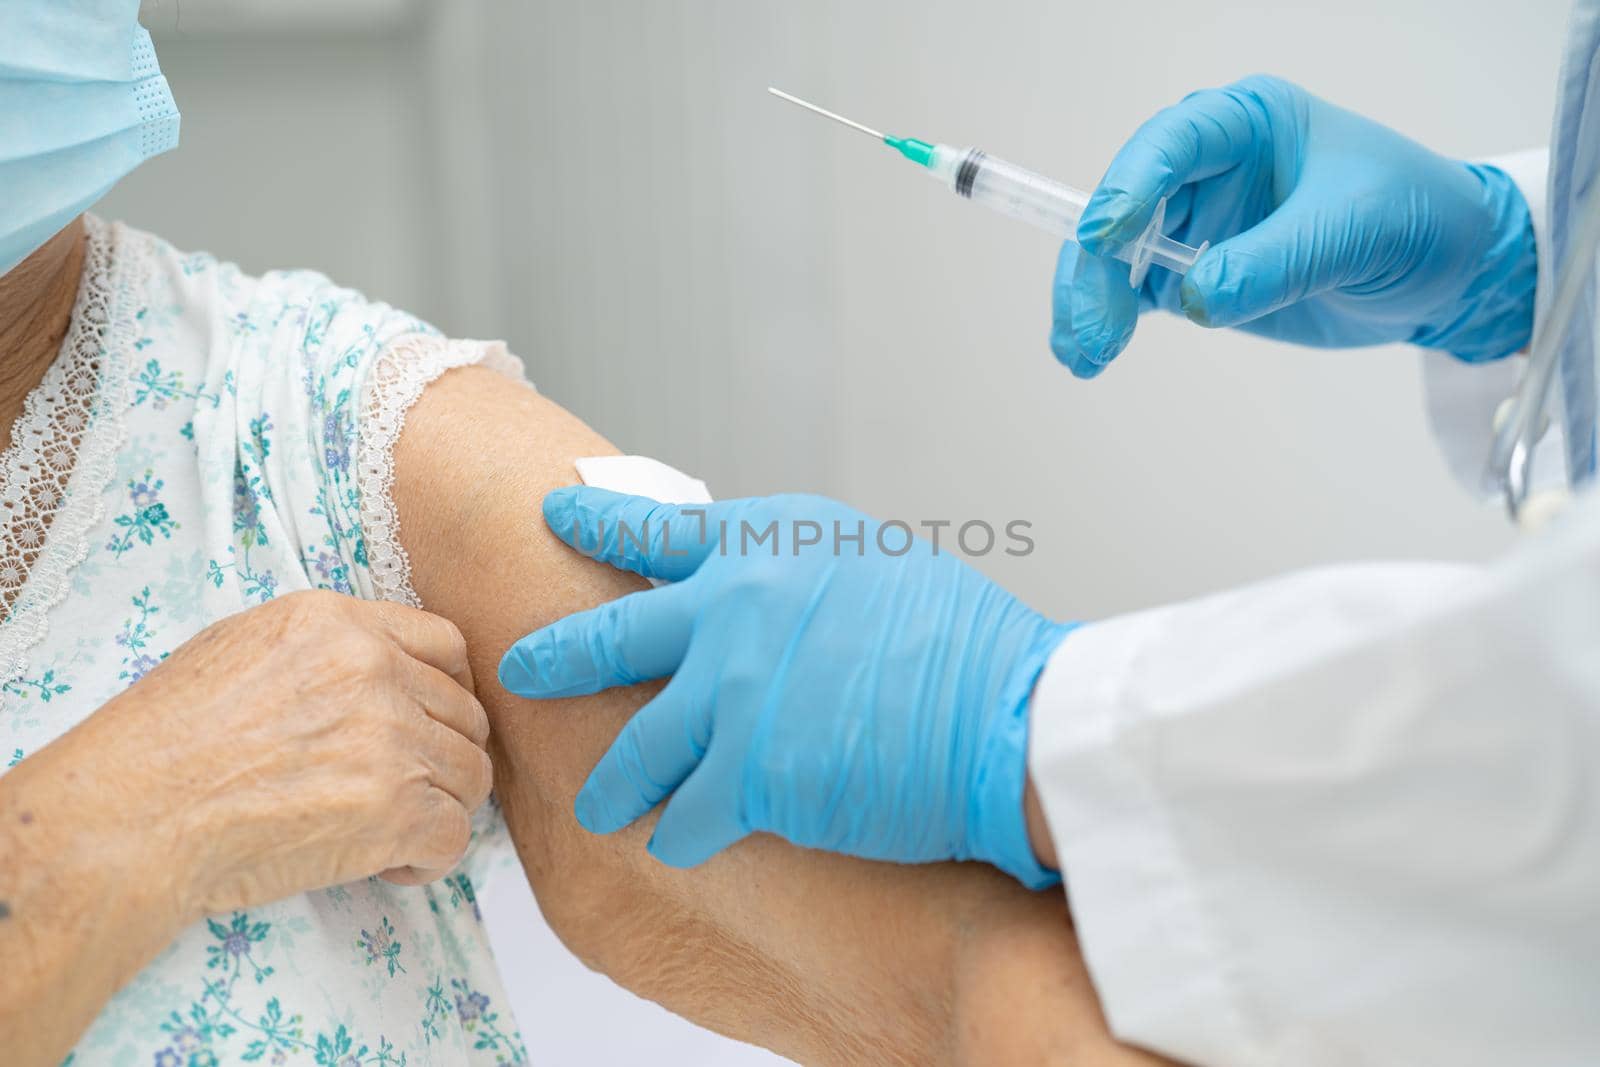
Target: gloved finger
x=1179, y=206
x=1289, y=256
x=657, y=749
x=634, y=533
x=1198, y=138
x=1095, y=311
x=638, y=637
x=702, y=818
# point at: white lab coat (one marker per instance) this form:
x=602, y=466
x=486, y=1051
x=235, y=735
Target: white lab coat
x=1350, y=816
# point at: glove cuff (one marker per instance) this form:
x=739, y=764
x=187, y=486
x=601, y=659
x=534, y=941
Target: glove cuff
x=1495, y=312
x=999, y=828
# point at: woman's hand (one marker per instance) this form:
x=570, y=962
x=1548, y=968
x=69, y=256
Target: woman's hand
x=314, y=740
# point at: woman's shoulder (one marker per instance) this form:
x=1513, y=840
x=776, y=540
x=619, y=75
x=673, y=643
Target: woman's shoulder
x=280, y=310
x=306, y=386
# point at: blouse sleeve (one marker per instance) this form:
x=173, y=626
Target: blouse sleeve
x=315, y=390
x=297, y=458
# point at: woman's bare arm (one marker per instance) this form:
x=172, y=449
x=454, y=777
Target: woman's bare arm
x=823, y=958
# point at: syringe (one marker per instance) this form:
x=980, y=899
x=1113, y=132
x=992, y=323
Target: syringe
x=1022, y=194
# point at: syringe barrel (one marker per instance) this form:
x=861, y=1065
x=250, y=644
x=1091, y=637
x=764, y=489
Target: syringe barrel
x=1051, y=206
x=1010, y=189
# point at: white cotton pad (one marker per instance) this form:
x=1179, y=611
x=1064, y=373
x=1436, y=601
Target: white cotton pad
x=642, y=476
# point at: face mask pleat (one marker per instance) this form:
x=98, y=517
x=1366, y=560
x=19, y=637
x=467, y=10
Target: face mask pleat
x=82, y=103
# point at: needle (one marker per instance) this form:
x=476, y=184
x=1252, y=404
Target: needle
x=825, y=113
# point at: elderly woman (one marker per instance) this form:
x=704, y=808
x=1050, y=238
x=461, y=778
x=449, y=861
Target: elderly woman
x=185, y=443
x=241, y=761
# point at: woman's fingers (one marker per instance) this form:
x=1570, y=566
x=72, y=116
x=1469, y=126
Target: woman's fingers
x=447, y=703
x=440, y=830
x=455, y=764
x=452, y=731
x=431, y=829
x=426, y=637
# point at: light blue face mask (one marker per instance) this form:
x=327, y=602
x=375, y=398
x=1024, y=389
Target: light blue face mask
x=82, y=103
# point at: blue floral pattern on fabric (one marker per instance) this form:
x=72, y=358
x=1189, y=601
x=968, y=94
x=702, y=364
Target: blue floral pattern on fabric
x=235, y=481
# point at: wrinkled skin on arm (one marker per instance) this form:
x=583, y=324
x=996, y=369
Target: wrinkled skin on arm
x=822, y=958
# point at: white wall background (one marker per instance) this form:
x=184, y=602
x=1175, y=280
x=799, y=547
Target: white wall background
x=710, y=276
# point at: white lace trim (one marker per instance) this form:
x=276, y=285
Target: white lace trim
x=397, y=378
x=64, y=445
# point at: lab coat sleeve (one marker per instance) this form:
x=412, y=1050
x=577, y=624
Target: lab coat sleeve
x=1462, y=397
x=1350, y=816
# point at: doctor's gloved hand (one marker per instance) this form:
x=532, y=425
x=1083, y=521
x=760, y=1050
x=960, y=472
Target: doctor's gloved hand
x=1326, y=228
x=836, y=682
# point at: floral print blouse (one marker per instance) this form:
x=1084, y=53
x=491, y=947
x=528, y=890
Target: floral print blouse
x=206, y=441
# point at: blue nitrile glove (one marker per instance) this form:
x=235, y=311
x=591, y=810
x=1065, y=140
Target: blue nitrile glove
x=873, y=702
x=1326, y=228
